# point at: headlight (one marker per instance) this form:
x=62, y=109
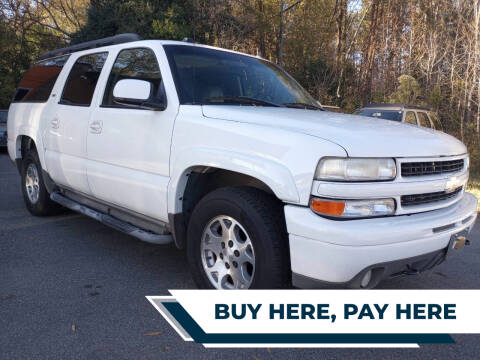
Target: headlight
x=353, y=208
x=467, y=162
x=356, y=169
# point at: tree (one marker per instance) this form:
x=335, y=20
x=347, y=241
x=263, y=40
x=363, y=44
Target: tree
x=346, y=52
x=150, y=19
x=408, y=90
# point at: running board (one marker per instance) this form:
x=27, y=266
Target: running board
x=111, y=221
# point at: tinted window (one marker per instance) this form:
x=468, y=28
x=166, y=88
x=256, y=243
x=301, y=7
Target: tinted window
x=3, y=116
x=423, y=119
x=394, y=115
x=436, y=121
x=38, y=82
x=204, y=76
x=82, y=80
x=410, y=118
x=133, y=64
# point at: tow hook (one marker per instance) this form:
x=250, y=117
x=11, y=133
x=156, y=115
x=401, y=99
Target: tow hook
x=460, y=241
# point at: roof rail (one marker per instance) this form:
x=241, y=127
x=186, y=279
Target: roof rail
x=403, y=106
x=383, y=105
x=112, y=40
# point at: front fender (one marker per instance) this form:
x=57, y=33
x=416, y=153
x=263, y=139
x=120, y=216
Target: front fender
x=276, y=176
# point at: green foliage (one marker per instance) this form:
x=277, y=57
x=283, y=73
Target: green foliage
x=408, y=90
x=149, y=19
x=318, y=78
x=436, y=97
x=15, y=57
x=172, y=25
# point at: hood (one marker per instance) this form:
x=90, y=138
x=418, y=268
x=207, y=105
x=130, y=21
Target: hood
x=360, y=136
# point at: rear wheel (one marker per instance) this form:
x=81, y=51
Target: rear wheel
x=35, y=194
x=237, y=240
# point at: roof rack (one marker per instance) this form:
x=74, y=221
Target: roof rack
x=403, y=106
x=112, y=40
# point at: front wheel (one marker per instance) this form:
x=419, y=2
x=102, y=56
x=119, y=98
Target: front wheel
x=237, y=240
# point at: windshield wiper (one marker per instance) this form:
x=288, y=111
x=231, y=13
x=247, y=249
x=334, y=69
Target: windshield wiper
x=240, y=100
x=301, y=105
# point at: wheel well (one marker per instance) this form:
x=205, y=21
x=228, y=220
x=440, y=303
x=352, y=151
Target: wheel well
x=203, y=180
x=25, y=143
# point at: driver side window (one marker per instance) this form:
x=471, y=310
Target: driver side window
x=139, y=63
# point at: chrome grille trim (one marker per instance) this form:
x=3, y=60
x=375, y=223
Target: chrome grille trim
x=420, y=199
x=431, y=167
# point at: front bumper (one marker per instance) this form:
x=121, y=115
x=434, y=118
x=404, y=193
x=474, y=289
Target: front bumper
x=340, y=251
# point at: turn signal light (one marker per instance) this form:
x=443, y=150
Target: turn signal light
x=353, y=208
x=334, y=208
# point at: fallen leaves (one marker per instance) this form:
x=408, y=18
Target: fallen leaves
x=153, y=333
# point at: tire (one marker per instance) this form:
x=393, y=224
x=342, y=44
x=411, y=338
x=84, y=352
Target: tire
x=252, y=219
x=35, y=195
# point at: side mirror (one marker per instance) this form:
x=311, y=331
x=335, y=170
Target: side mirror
x=137, y=93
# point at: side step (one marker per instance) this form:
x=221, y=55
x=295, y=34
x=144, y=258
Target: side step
x=111, y=221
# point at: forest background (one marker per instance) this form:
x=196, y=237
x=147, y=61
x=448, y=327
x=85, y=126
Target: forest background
x=346, y=53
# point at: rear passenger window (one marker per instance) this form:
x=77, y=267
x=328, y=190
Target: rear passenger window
x=137, y=63
x=38, y=82
x=423, y=119
x=410, y=118
x=82, y=80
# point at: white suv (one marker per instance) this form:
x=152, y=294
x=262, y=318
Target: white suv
x=228, y=157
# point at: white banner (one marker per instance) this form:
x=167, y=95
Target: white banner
x=366, y=315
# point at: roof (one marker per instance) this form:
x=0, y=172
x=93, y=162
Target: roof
x=396, y=106
x=122, y=39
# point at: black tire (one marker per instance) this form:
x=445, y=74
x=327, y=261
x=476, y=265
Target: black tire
x=262, y=217
x=43, y=206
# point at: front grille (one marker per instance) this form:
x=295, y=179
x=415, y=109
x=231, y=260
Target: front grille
x=431, y=167
x=419, y=199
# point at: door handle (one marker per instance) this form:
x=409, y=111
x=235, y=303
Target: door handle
x=96, y=127
x=55, y=123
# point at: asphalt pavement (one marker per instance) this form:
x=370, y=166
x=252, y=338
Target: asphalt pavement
x=72, y=288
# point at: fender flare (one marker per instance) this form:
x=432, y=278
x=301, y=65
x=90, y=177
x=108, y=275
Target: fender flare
x=37, y=140
x=275, y=175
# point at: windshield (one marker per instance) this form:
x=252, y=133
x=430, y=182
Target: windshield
x=3, y=116
x=215, y=77
x=395, y=115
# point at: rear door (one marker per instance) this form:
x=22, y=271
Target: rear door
x=67, y=124
x=128, y=147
